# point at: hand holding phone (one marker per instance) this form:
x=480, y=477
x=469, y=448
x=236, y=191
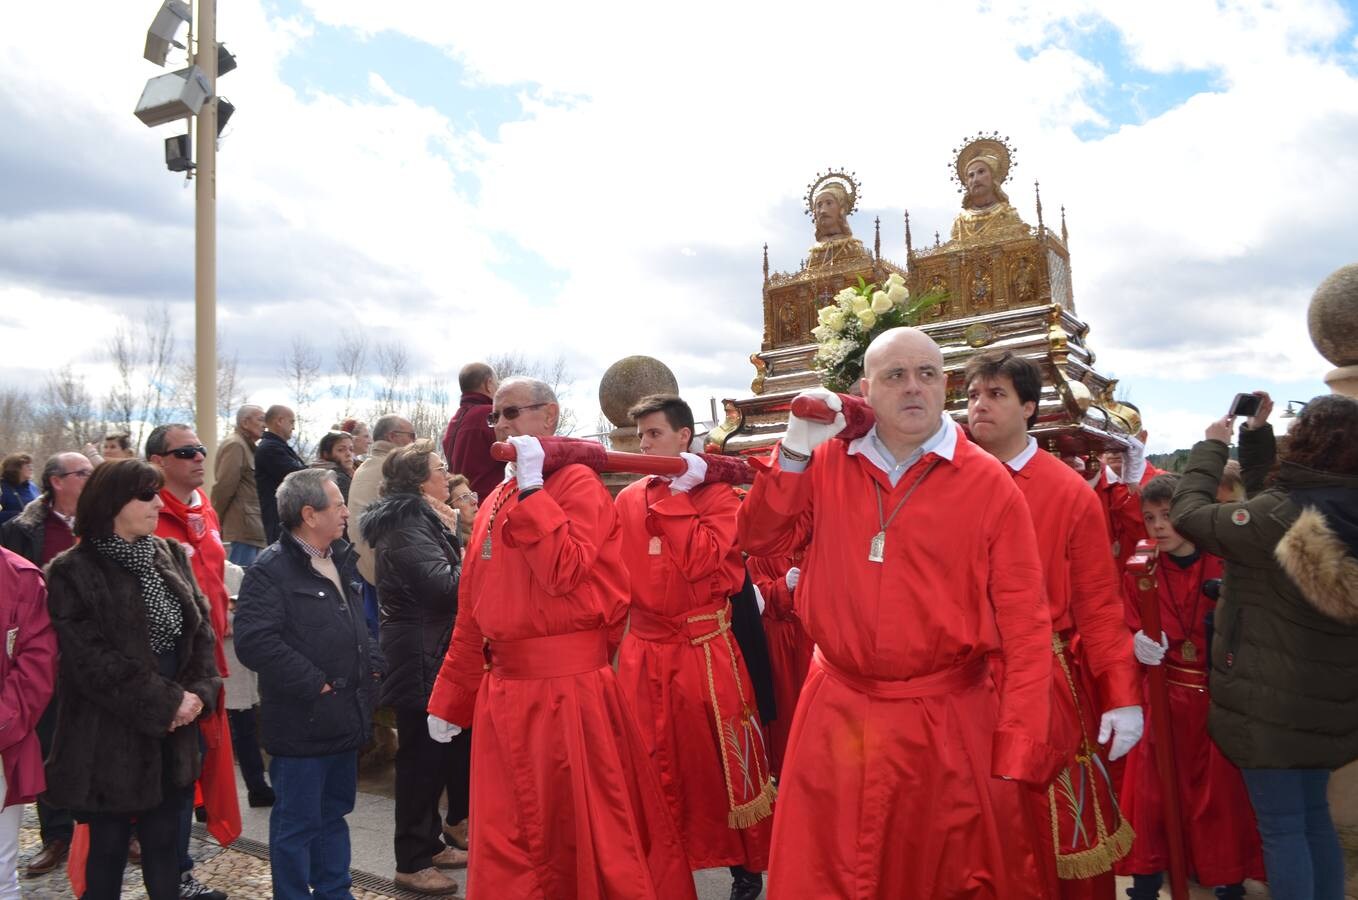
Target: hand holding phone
x=1244, y=405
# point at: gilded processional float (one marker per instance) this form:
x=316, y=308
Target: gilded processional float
x=996, y=283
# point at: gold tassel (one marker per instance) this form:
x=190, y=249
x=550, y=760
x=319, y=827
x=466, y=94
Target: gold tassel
x=1097, y=860
x=755, y=811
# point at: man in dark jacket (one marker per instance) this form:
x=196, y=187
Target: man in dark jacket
x=274, y=460
x=37, y=534
x=467, y=439
x=299, y=625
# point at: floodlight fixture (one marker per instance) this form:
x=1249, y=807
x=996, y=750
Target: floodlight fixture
x=225, y=61
x=224, y=110
x=176, y=95
x=178, y=153
x=172, y=15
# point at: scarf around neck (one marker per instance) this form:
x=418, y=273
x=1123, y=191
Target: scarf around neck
x=164, y=618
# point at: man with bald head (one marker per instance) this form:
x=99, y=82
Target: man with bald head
x=567, y=802
x=274, y=460
x=922, y=570
x=234, y=494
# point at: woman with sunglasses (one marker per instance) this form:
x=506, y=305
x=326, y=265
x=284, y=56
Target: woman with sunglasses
x=137, y=670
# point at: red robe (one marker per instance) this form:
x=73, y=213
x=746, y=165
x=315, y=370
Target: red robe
x=1220, y=836
x=789, y=646
x=1123, y=510
x=683, y=677
x=197, y=528
x=564, y=800
x=892, y=785
x=1076, y=817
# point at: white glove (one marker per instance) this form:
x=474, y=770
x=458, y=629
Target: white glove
x=803, y=435
x=442, y=731
x=693, y=475
x=528, y=458
x=793, y=576
x=759, y=598
x=1124, y=725
x=1134, y=464
x=1148, y=651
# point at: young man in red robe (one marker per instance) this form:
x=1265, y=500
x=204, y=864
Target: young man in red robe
x=1221, y=838
x=680, y=667
x=1096, y=693
x=565, y=802
x=188, y=517
x=776, y=578
x=903, y=766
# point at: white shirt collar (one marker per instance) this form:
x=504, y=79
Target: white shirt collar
x=942, y=443
x=1025, y=455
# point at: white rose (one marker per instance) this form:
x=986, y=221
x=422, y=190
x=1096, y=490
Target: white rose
x=824, y=314
x=897, y=294
x=894, y=279
x=846, y=295
x=860, y=304
x=881, y=302
x=868, y=318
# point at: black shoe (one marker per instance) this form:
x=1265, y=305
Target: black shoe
x=200, y=813
x=262, y=797
x=1146, y=887
x=1231, y=891
x=746, y=885
x=191, y=887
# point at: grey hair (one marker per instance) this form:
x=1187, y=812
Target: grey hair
x=541, y=391
x=244, y=412
x=386, y=425
x=303, y=488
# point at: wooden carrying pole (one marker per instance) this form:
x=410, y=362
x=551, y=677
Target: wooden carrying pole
x=634, y=463
x=1142, y=566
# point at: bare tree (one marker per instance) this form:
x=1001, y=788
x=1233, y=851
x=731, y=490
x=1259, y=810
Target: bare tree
x=16, y=420
x=66, y=417
x=229, y=393
x=393, y=363
x=301, y=370
x=143, y=357
x=552, y=372
x=428, y=409
x=350, y=357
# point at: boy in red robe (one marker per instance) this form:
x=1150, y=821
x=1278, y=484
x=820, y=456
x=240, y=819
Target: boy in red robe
x=564, y=800
x=1096, y=692
x=902, y=769
x=776, y=578
x=1220, y=836
x=680, y=668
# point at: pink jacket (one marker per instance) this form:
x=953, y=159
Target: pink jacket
x=28, y=671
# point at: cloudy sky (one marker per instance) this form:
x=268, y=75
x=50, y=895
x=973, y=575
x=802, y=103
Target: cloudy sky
x=595, y=181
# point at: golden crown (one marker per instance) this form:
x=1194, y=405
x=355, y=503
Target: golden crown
x=846, y=181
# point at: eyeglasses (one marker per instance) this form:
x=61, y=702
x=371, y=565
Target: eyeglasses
x=411, y=433
x=186, y=452
x=145, y=496
x=469, y=495
x=511, y=412
x=78, y=473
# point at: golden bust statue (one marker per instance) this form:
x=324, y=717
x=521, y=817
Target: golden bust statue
x=829, y=201
x=986, y=215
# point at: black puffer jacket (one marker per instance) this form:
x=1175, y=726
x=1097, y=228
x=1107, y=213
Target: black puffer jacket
x=113, y=737
x=24, y=534
x=299, y=634
x=1284, y=680
x=418, y=568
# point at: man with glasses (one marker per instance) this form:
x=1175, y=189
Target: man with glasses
x=274, y=460
x=38, y=534
x=188, y=517
x=389, y=432
x=467, y=439
x=567, y=802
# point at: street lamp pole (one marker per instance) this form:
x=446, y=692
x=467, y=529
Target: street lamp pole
x=205, y=238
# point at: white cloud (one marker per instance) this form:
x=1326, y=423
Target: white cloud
x=658, y=151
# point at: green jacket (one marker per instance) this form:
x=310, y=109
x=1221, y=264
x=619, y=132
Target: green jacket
x=1284, y=677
